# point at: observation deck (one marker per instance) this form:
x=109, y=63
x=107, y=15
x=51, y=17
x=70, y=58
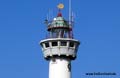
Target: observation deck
x=60, y=47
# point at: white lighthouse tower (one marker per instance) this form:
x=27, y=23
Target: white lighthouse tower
x=60, y=47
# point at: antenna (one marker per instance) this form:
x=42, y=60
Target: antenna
x=72, y=18
x=50, y=14
x=70, y=7
x=47, y=17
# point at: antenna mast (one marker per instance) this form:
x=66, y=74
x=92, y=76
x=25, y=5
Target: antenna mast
x=70, y=7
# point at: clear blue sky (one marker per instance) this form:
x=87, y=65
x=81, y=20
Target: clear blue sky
x=97, y=26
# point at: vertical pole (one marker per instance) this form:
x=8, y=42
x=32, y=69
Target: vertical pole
x=70, y=6
x=70, y=16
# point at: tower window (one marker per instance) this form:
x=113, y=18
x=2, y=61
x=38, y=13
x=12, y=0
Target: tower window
x=47, y=45
x=63, y=43
x=42, y=45
x=54, y=44
x=71, y=44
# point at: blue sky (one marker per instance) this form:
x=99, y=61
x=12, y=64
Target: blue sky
x=97, y=26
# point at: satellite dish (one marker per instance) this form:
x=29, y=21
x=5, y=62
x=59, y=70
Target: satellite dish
x=60, y=6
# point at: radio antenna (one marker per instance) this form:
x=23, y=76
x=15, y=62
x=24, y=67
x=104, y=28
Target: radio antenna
x=70, y=8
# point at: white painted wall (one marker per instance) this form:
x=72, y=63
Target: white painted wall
x=59, y=68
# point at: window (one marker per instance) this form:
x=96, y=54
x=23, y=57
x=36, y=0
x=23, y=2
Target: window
x=71, y=44
x=47, y=45
x=63, y=43
x=42, y=45
x=54, y=44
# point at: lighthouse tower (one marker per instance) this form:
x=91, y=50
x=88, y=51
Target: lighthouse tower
x=60, y=47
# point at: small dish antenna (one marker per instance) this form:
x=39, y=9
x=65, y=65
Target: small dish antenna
x=60, y=6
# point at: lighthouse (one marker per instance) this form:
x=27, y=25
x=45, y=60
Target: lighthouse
x=60, y=47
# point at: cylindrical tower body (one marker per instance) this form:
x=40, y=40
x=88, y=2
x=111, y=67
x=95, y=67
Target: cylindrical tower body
x=60, y=68
x=59, y=47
